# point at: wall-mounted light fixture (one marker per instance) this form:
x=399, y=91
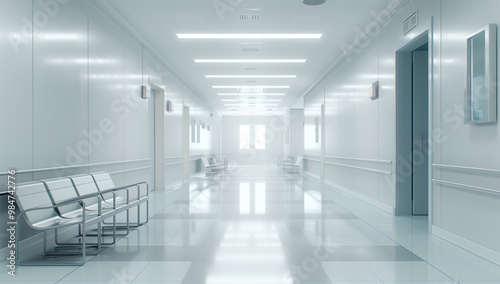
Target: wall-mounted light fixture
x=169, y=106
x=144, y=92
x=374, y=90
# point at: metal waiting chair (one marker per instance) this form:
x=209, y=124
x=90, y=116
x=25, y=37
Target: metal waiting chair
x=85, y=185
x=39, y=213
x=296, y=166
x=61, y=190
x=222, y=163
x=137, y=194
x=210, y=168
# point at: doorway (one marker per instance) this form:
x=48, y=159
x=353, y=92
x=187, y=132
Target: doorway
x=186, y=134
x=412, y=127
x=158, y=98
x=252, y=148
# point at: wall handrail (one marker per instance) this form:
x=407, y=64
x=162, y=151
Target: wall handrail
x=359, y=168
x=466, y=186
x=115, y=172
x=174, y=157
x=360, y=159
x=75, y=166
x=130, y=170
x=464, y=168
x=195, y=157
x=173, y=164
x=312, y=158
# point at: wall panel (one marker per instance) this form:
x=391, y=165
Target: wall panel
x=60, y=98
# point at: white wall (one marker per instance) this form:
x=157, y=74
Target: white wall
x=464, y=212
x=296, y=128
x=358, y=128
x=312, y=131
x=208, y=141
x=72, y=97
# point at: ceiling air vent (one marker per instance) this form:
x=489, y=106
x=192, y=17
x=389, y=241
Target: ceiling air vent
x=251, y=81
x=249, y=17
x=250, y=68
x=410, y=23
x=251, y=49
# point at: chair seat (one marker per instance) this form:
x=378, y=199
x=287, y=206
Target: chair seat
x=56, y=222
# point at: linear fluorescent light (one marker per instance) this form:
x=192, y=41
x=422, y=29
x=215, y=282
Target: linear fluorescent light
x=249, y=60
x=230, y=100
x=250, y=76
x=249, y=36
x=254, y=87
x=247, y=109
x=252, y=105
x=251, y=94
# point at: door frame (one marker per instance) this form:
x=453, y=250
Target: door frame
x=403, y=181
x=186, y=140
x=158, y=136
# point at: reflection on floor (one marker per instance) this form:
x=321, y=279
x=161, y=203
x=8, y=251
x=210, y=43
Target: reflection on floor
x=260, y=225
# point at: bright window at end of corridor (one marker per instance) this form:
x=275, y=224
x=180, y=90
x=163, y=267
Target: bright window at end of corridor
x=260, y=137
x=245, y=136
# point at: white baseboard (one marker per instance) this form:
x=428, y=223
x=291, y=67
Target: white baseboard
x=371, y=201
x=307, y=173
x=174, y=186
x=30, y=242
x=466, y=244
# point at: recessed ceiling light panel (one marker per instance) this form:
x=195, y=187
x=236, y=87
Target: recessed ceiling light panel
x=251, y=94
x=249, y=60
x=257, y=87
x=250, y=76
x=249, y=36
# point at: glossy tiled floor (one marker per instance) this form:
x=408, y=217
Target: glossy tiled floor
x=259, y=225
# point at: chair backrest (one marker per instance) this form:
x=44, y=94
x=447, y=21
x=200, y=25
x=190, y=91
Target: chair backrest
x=60, y=190
x=205, y=162
x=32, y=195
x=103, y=182
x=85, y=185
x=298, y=160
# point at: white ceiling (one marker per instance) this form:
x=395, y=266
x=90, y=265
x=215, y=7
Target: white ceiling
x=158, y=22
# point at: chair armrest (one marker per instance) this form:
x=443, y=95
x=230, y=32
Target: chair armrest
x=139, y=186
x=127, y=188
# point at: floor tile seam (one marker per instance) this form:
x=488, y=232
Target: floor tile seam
x=373, y=272
x=61, y=279
x=408, y=248
x=144, y=268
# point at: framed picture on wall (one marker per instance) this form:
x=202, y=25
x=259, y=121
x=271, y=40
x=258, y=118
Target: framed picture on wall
x=481, y=91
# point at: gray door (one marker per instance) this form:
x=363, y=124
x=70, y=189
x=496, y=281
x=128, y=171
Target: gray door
x=420, y=123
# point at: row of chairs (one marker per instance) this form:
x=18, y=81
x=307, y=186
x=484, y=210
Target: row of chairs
x=214, y=166
x=84, y=202
x=291, y=164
